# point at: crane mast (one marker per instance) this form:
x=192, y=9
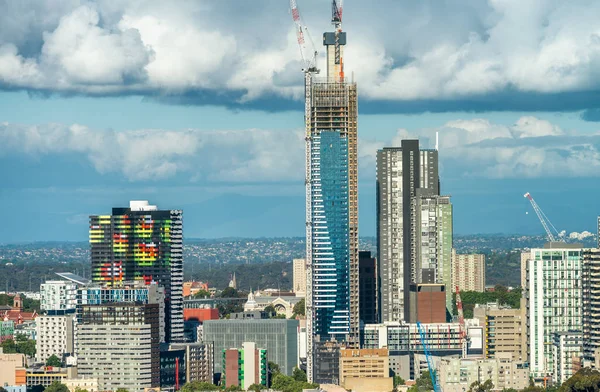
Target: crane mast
x=432, y=372
x=543, y=219
x=461, y=323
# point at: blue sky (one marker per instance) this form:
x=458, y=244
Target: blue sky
x=199, y=106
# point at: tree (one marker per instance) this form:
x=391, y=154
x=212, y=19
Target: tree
x=256, y=388
x=80, y=390
x=424, y=383
x=270, y=310
x=202, y=294
x=122, y=390
x=584, y=380
x=299, y=375
x=198, y=386
x=233, y=388
x=509, y=390
x=9, y=346
x=273, y=369
x=54, y=361
x=3, y=390
x=398, y=381
x=229, y=292
x=57, y=386
x=300, y=308
x=476, y=386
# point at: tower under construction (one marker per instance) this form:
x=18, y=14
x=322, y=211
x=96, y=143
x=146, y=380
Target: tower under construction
x=331, y=209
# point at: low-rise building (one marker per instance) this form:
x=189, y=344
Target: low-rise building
x=244, y=367
x=457, y=375
x=505, y=330
x=366, y=370
x=9, y=364
x=46, y=376
x=89, y=384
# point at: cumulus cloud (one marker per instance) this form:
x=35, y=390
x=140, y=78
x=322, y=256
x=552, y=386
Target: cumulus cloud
x=532, y=147
x=239, y=53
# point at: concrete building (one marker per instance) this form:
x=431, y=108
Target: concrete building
x=10, y=363
x=427, y=303
x=406, y=354
x=400, y=172
x=58, y=297
x=554, y=300
x=279, y=337
x=146, y=244
x=199, y=361
x=55, y=336
x=468, y=272
x=244, y=367
x=524, y=260
x=457, y=375
x=331, y=114
x=118, y=343
x=591, y=304
x=365, y=370
x=567, y=348
x=368, y=288
x=299, y=277
x=45, y=376
x=505, y=330
x=432, y=258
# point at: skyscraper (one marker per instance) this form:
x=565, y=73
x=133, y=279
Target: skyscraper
x=401, y=171
x=142, y=243
x=468, y=271
x=367, y=282
x=331, y=203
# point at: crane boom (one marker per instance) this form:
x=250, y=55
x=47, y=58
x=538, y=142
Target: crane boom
x=543, y=218
x=432, y=372
x=310, y=61
x=461, y=323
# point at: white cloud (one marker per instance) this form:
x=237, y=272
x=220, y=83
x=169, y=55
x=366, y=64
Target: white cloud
x=397, y=50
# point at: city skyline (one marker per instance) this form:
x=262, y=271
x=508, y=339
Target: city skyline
x=66, y=147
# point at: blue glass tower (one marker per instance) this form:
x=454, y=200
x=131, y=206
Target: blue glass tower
x=331, y=213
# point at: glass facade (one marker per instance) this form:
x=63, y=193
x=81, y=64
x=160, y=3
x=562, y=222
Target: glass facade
x=142, y=245
x=278, y=337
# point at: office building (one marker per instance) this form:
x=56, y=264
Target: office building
x=567, y=349
x=118, y=343
x=591, y=304
x=55, y=336
x=299, y=277
x=367, y=287
x=505, y=330
x=142, y=243
x=58, y=297
x=45, y=376
x=278, y=336
x=554, y=300
x=199, y=357
x=132, y=292
x=331, y=113
x=406, y=354
x=172, y=368
x=244, y=367
x=365, y=370
x=468, y=272
x=457, y=375
x=427, y=303
x=400, y=172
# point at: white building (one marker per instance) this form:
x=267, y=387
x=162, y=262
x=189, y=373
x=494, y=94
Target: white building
x=58, y=295
x=299, y=277
x=567, y=348
x=554, y=300
x=54, y=336
x=456, y=375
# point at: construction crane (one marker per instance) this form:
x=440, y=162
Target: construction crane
x=432, y=372
x=544, y=219
x=309, y=60
x=461, y=323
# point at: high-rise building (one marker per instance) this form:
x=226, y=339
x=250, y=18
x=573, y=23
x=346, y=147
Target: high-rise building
x=142, y=243
x=367, y=282
x=427, y=303
x=331, y=112
x=54, y=336
x=244, y=367
x=365, y=370
x=58, y=297
x=554, y=300
x=131, y=292
x=566, y=350
x=505, y=330
x=524, y=260
x=591, y=304
x=199, y=361
x=401, y=171
x=300, y=277
x=118, y=343
x=279, y=337
x=468, y=272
